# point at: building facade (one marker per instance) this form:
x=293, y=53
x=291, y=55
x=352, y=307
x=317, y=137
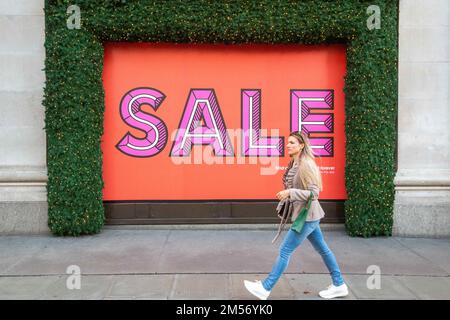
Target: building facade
x=422, y=197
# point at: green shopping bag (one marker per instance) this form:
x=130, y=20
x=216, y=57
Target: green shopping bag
x=301, y=218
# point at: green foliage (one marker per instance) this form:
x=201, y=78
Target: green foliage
x=74, y=96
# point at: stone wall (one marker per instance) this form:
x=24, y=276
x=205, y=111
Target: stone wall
x=422, y=201
x=23, y=198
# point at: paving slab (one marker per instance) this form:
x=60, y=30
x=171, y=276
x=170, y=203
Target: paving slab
x=25, y=288
x=112, y=252
x=142, y=287
x=390, y=289
x=282, y=290
x=14, y=249
x=308, y=286
x=91, y=288
x=218, y=251
x=200, y=286
x=212, y=264
x=437, y=251
x=426, y=288
x=225, y=251
x=355, y=255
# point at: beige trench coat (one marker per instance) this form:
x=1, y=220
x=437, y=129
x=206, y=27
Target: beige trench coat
x=298, y=196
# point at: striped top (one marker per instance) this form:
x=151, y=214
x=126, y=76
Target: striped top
x=290, y=176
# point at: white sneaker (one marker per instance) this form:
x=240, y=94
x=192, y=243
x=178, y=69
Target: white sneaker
x=334, y=292
x=256, y=288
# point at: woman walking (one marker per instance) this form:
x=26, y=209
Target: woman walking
x=300, y=179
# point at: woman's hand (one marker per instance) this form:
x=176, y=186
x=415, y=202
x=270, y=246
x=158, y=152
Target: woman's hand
x=283, y=194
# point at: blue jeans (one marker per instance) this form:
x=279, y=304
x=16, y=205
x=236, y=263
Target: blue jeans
x=293, y=239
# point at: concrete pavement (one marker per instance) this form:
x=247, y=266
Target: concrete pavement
x=209, y=263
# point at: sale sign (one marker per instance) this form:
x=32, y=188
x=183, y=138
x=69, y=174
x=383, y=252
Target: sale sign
x=210, y=122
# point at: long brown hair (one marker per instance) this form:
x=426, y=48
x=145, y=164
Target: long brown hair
x=308, y=171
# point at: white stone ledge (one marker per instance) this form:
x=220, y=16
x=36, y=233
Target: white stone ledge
x=423, y=196
x=23, y=184
x=424, y=188
x=20, y=192
x=438, y=178
x=12, y=174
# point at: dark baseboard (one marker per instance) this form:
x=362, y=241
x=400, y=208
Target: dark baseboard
x=206, y=212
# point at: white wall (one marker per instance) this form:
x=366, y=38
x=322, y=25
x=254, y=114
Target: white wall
x=23, y=207
x=422, y=202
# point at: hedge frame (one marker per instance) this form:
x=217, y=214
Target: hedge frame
x=74, y=96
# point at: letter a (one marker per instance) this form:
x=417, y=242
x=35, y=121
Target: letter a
x=202, y=124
